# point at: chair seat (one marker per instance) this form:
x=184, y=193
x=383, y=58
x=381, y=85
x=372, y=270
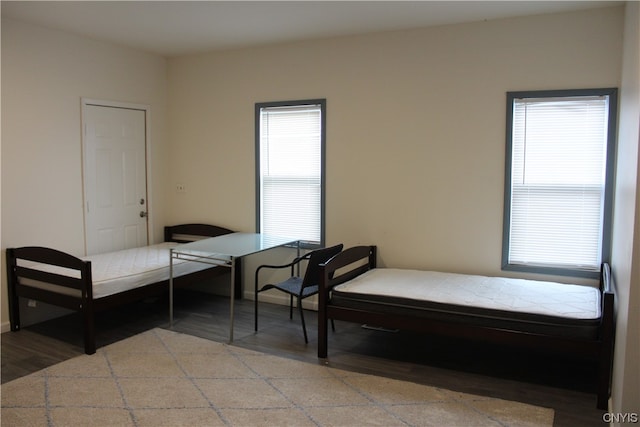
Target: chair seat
x=293, y=286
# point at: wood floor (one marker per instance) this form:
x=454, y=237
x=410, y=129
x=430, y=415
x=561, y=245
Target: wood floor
x=564, y=385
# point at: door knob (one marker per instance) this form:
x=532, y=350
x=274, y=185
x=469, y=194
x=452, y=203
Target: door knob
x=143, y=214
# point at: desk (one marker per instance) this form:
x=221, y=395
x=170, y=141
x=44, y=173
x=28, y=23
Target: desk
x=224, y=251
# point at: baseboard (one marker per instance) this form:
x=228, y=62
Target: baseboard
x=5, y=327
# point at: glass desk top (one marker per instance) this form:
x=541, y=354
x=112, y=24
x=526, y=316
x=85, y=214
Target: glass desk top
x=234, y=245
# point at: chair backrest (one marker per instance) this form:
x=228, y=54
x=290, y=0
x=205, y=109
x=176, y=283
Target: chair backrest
x=317, y=257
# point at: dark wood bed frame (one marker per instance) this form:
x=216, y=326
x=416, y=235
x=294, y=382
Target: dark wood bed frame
x=354, y=261
x=85, y=303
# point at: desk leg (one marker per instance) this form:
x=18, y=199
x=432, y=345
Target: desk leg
x=232, y=297
x=238, y=278
x=171, y=288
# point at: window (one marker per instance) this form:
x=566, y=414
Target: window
x=559, y=178
x=290, y=147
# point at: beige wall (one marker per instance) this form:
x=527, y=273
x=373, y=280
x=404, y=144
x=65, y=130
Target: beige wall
x=44, y=76
x=626, y=242
x=415, y=127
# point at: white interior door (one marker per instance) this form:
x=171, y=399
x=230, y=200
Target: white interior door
x=115, y=178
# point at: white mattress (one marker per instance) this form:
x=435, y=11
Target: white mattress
x=119, y=271
x=115, y=272
x=491, y=293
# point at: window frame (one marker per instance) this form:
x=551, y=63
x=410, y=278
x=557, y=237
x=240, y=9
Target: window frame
x=322, y=102
x=606, y=230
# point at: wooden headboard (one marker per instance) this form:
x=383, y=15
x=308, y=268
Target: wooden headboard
x=185, y=233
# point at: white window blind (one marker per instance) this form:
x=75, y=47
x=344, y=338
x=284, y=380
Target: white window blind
x=290, y=171
x=558, y=175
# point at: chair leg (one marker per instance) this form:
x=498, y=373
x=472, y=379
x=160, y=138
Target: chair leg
x=304, y=327
x=255, y=310
x=290, y=306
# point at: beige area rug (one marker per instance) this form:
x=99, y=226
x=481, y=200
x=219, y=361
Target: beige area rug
x=164, y=378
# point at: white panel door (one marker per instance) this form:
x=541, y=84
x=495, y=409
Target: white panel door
x=114, y=178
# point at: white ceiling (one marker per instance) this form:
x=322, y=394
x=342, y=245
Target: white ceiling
x=173, y=28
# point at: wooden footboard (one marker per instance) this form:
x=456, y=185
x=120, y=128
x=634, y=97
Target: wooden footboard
x=354, y=261
x=345, y=266
x=72, y=290
x=69, y=284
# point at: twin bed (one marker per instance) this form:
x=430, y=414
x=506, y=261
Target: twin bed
x=99, y=282
x=568, y=319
